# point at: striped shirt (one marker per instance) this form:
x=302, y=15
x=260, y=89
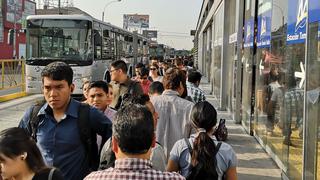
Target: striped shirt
x=133, y=169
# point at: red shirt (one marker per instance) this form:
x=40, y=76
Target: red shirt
x=145, y=86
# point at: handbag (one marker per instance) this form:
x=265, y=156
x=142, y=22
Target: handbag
x=221, y=131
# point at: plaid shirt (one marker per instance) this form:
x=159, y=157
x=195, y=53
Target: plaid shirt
x=132, y=169
x=195, y=93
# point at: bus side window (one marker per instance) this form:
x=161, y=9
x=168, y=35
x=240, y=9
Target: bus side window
x=97, y=44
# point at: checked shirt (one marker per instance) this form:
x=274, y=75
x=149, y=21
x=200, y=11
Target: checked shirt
x=133, y=169
x=195, y=93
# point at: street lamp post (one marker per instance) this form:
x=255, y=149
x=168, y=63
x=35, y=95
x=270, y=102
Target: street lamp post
x=104, y=9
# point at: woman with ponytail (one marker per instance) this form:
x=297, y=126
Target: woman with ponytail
x=202, y=156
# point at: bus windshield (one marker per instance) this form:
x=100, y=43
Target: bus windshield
x=59, y=39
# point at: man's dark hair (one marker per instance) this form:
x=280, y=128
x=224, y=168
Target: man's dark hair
x=58, y=71
x=190, y=63
x=156, y=87
x=185, y=62
x=139, y=65
x=141, y=99
x=194, y=76
x=144, y=72
x=172, y=78
x=99, y=84
x=134, y=129
x=119, y=64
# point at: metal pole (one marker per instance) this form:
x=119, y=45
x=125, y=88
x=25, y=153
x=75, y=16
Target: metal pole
x=104, y=9
x=14, y=30
x=59, y=8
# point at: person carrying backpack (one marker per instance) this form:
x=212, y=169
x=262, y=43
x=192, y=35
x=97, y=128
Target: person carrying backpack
x=65, y=129
x=202, y=156
x=122, y=84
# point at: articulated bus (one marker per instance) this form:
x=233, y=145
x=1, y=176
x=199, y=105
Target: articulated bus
x=86, y=44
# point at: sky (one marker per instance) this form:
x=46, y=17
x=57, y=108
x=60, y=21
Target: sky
x=172, y=18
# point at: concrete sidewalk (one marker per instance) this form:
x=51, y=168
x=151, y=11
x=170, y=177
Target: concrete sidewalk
x=253, y=162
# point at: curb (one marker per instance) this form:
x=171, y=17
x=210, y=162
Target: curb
x=21, y=99
x=12, y=96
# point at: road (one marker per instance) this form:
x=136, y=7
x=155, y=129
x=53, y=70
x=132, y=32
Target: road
x=11, y=112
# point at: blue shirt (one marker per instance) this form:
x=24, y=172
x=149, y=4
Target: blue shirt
x=60, y=143
x=226, y=157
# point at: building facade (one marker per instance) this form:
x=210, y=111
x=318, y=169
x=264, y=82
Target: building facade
x=262, y=58
x=13, y=15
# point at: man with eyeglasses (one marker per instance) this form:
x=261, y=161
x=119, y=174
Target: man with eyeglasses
x=121, y=83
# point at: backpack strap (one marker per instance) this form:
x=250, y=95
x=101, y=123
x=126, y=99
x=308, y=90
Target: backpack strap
x=189, y=145
x=86, y=136
x=51, y=173
x=34, y=119
x=217, y=149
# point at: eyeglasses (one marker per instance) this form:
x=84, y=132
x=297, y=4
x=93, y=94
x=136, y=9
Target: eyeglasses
x=111, y=71
x=144, y=78
x=153, y=69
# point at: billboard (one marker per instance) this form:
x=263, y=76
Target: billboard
x=248, y=33
x=14, y=10
x=314, y=11
x=150, y=33
x=135, y=21
x=264, y=29
x=297, y=19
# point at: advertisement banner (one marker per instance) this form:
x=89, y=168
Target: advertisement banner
x=248, y=33
x=150, y=33
x=135, y=21
x=14, y=11
x=264, y=30
x=314, y=11
x=297, y=19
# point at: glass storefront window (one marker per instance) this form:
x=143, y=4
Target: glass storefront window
x=247, y=66
x=231, y=56
x=217, y=48
x=312, y=134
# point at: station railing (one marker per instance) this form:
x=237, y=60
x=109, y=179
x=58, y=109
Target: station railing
x=12, y=82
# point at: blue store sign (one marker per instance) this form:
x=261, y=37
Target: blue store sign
x=248, y=33
x=314, y=11
x=264, y=30
x=297, y=19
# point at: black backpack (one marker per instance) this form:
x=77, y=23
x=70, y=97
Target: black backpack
x=87, y=136
x=129, y=92
x=197, y=172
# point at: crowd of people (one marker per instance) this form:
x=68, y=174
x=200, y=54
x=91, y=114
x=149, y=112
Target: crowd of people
x=155, y=125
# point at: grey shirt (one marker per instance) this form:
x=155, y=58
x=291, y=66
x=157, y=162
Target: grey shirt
x=174, y=114
x=226, y=157
x=158, y=158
